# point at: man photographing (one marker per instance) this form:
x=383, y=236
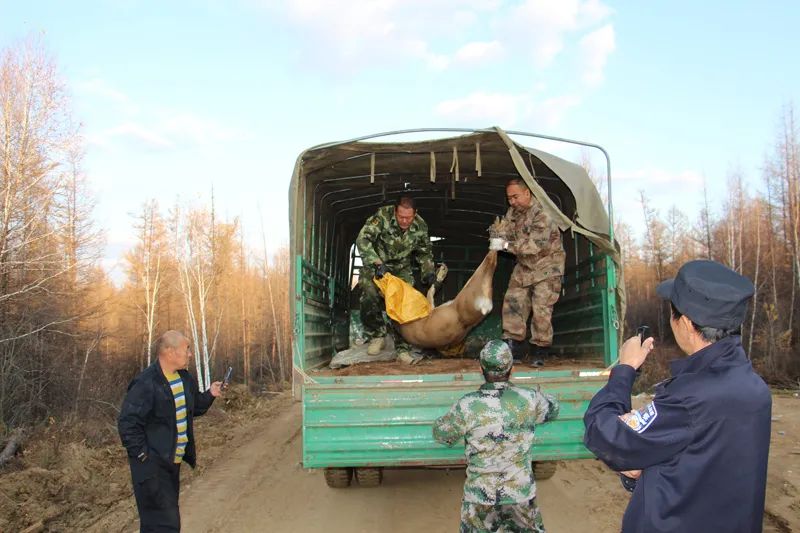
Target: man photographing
x=156, y=427
x=699, y=449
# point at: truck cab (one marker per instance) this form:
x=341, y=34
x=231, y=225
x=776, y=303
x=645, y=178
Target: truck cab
x=362, y=419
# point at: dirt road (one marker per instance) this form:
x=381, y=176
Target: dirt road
x=260, y=486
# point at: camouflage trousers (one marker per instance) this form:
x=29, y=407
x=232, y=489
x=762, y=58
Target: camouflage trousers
x=520, y=301
x=372, y=308
x=514, y=518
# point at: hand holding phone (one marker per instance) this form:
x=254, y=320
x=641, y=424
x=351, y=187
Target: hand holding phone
x=227, y=379
x=643, y=332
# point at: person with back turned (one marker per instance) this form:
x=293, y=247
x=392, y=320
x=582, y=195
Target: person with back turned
x=698, y=452
x=498, y=422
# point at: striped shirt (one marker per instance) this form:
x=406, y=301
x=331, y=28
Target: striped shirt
x=176, y=384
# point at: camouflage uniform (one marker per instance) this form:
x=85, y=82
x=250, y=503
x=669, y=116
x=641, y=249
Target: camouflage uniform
x=535, y=283
x=381, y=239
x=498, y=423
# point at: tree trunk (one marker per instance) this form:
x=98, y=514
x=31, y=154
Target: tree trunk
x=755, y=281
x=12, y=445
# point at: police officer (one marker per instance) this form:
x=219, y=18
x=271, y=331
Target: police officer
x=388, y=242
x=534, y=238
x=498, y=423
x=699, y=449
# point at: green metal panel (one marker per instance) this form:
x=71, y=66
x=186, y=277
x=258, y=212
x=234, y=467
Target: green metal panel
x=388, y=420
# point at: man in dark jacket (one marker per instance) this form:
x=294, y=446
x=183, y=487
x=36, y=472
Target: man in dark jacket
x=699, y=450
x=155, y=425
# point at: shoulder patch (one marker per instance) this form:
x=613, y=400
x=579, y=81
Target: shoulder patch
x=640, y=419
x=374, y=221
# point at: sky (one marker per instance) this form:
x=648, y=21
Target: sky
x=180, y=98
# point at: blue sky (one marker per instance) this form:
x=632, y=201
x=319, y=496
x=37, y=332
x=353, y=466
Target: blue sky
x=177, y=97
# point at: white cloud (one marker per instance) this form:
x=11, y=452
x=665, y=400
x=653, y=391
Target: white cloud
x=542, y=27
x=347, y=36
x=168, y=131
x=595, y=48
x=500, y=109
x=355, y=35
x=97, y=87
x=478, y=52
x=506, y=109
x=135, y=133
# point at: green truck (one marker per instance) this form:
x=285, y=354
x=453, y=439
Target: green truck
x=360, y=420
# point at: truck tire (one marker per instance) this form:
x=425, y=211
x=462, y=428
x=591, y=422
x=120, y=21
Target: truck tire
x=338, y=478
x=544, y=469
x=369, y=477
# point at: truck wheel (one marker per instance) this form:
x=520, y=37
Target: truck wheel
x=544, y=469
x=369, y=477
x=338, y=478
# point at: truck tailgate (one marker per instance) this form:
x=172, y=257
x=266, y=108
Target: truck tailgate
x=387, y=420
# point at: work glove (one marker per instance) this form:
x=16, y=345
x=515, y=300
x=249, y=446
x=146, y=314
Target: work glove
x=498, y=244
x=380, y=270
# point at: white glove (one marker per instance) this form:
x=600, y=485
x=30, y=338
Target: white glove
x=498, y=244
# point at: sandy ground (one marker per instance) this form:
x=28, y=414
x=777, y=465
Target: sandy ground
x=259, y=485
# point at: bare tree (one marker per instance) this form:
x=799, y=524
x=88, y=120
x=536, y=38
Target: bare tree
x=654, y=251
x=146, y=268
x=47, y=242
x=757, y=218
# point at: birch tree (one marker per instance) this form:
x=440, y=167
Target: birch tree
x=146, y=267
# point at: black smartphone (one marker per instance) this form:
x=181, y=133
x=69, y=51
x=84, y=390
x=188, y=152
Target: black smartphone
x=643, y=332
x=227, y=378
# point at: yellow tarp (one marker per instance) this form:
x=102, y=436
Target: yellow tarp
x=404, y=303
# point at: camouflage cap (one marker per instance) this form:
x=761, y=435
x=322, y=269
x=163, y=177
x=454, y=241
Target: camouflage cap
x=496, y=358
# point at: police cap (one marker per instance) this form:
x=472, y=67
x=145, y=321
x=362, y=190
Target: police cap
x=709, y=294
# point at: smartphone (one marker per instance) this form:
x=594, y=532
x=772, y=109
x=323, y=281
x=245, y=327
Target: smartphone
x=227, y=378
x=643, y=332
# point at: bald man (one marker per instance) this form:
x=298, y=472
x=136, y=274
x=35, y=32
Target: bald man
x=155, y=425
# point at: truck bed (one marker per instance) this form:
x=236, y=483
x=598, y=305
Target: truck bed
x=452, y=366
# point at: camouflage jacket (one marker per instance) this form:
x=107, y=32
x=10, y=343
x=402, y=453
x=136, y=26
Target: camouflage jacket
x=497, y=422
x=382, y=239
x=536, y=241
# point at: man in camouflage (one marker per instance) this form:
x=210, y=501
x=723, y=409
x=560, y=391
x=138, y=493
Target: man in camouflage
x=388, y=242
x=534, y=238
x=498, y=423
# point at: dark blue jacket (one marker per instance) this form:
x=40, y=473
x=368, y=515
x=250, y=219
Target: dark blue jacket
x=702, y=443
x=147, y=419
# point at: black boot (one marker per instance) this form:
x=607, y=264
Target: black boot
x=538, y=353
x=519, y=349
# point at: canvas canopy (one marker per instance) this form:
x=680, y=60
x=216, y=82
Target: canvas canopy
x=458, y=183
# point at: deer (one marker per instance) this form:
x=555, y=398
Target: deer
x=449, y=323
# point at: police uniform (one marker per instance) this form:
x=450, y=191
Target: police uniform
x=535, y=284
x=498, y=423
x=703, y=442
x=382, y=240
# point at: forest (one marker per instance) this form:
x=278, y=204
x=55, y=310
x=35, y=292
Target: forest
x=71, y=337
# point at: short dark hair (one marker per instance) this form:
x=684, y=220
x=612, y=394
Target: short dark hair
x=407, y=202
x=519, y=182
x=708, y=333
x=491, y=377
